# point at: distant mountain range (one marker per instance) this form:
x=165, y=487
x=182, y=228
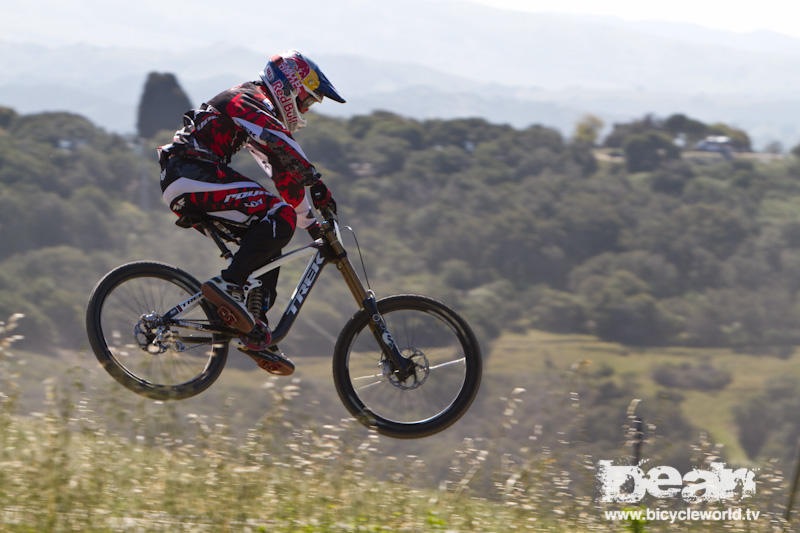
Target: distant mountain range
x=473, y=61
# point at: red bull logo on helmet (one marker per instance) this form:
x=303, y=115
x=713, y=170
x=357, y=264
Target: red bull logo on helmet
x=299, y=73
x=302, y=67
x=287, y=104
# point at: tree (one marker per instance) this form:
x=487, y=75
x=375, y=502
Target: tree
x=620, y=133
x=162, y=104
x=767, y=424
x=739, y=138
x=591, y=223
x=622, y=309
x=671, y=178
x=646, y=151
x=7, y=116
x=587, y=130
x=680, y=124
x=660, y=276
x=686, y=375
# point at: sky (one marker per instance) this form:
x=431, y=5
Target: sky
x=115, y=21
x=776, y=15
x=446, y=37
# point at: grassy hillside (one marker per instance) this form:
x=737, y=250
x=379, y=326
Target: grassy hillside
x=261, y=453
x=711, y=411
x=515, y=360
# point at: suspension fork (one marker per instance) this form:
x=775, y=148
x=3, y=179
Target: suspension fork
x=366, y=299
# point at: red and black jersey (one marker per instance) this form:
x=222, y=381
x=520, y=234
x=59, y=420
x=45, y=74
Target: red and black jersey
x=244, y=116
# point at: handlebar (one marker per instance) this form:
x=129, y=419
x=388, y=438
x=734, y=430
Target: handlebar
x=330, y=223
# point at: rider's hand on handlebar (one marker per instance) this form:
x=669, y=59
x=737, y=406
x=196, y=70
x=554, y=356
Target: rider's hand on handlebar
x=315, y=231
x=321, y=197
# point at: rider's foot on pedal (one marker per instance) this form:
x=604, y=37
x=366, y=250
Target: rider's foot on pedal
x=231, y=307
x=270, y=359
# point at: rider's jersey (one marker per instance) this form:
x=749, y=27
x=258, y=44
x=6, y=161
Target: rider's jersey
x=244, y=116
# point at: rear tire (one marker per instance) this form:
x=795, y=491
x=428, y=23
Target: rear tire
x=183, y=363
x=448, y=368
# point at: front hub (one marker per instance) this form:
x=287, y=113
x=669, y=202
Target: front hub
x=415, y=374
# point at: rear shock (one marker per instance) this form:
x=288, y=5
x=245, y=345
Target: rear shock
x=255, y=301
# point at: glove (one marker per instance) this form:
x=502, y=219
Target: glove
x=315, y=231
x=321, y=197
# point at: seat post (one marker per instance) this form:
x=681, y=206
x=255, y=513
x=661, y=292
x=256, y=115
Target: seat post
x=223, y=248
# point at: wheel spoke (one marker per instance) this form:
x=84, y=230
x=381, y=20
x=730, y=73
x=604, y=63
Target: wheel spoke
x=448, y=363
x=372, y=376
x=364, y=387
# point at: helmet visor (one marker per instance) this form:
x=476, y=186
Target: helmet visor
x=326, y=88
x=322, y=86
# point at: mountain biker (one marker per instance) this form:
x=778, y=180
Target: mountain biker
x=196, y=181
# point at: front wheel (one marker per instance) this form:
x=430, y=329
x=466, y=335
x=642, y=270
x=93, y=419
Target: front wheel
x=150, y=355
x=446, y=372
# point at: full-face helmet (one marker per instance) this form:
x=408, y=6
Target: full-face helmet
x=296, y=83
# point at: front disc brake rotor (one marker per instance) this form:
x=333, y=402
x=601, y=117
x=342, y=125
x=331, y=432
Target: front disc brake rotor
x=418, y=373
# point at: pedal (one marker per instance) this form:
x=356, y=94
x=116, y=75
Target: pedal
x=279, y=369
x=273, y=361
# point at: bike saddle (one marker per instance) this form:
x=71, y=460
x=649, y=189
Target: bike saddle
x=190, y=219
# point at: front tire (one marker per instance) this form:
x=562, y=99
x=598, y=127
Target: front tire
x=447, y=368
x=178, y=364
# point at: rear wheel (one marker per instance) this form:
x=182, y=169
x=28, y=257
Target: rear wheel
x=143, y=352
x=446, y=368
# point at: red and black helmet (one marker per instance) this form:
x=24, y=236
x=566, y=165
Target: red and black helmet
x=296, y=83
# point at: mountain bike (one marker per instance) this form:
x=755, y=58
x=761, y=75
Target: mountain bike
x=407, y=366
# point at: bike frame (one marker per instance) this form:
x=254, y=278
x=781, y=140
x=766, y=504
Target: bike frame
x=304, y=286
x=327, y=249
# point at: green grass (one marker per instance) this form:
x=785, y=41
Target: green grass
x=707, y=410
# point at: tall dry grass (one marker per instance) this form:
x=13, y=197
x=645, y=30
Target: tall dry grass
x=86, y=463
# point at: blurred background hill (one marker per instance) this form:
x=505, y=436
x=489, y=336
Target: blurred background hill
x=463, y=60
